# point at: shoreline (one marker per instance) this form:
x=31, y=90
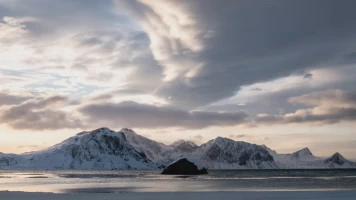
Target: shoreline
x=293, y=195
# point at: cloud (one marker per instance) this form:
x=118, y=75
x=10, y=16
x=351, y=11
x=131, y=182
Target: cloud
x=44, y=114
x=27, y=146
x=60, y=16
x=328, y=107
x=272, y=98
x=308, y=76
x=197, y=137
x=10, y=99
x=177, y=56
x=80, y=60
x=334, y=98
x=239, y=136
x=102, y=97
x=132, y=114
x=241, y=43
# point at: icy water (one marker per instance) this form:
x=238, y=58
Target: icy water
x=75, y=181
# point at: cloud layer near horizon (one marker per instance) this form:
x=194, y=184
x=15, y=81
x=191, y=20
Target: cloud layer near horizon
x=131, y=114
x=328, y=107
x=325, y=107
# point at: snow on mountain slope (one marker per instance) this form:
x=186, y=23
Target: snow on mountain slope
x=302, y=155
x=7, y=160
x=157, y=152
x=305, y=159
x=338, y=161
x=98, y=149
x=224, y=153
x=152, y=149
x=184, y=146
x=334, y=161
x=106, y=149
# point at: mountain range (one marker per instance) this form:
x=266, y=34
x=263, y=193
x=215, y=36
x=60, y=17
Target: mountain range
x=104, y=149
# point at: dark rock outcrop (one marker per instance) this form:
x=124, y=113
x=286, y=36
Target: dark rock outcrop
x=184, y=167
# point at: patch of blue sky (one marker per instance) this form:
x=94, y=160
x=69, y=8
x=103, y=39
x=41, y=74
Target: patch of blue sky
x=87, y=89
x=43, y=81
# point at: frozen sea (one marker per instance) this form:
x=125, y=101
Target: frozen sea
x=125, y=181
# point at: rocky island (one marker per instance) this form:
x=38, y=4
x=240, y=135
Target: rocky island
x=184, y=167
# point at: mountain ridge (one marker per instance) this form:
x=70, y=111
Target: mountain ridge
x=106, y=149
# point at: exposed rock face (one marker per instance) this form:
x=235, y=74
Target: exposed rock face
x=9, y=160
x=225, y=153
x=338, y=161
x=184, y=167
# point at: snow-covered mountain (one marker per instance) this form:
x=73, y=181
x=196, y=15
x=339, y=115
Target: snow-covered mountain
x=107, y=149
x=224, y=153
x=304, y=158
x=302, y=155
x=338, y=161
x=157, y=152
x=7, y=160
x=184, y=146
x=98, y=149
x=152, y=149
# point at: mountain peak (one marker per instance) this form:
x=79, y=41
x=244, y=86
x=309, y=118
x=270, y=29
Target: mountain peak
x=102, y=130
x=223, y=139
x=264, y=146
x=337, y=158
x=303, y=154
x=127, y=130
x=337, y=155
x=305, y=151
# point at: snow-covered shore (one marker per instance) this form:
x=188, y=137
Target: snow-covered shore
x=315, y=195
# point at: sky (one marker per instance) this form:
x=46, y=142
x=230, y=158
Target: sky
x=280, y=73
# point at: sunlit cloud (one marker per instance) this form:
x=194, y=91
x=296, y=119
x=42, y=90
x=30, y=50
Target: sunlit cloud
x=194, y=68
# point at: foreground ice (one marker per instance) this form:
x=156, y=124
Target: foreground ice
x=315, y=195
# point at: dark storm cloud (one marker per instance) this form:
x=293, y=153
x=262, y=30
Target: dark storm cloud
x=308, y=76
x=39, y=115
x=274, y=99
x=256, y=41
x=131, y=114
x=350, y=58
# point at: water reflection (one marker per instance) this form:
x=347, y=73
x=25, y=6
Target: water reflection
x=152, y=181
